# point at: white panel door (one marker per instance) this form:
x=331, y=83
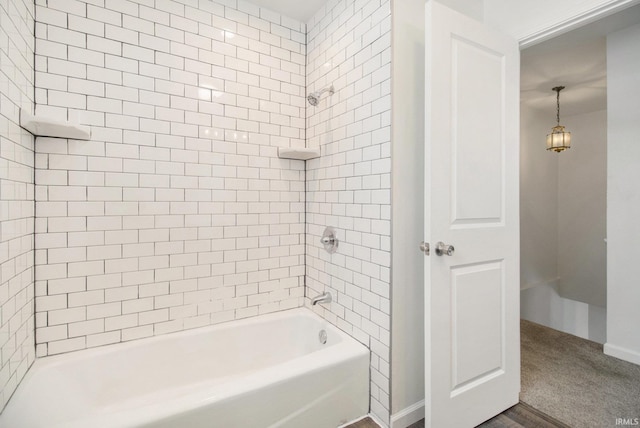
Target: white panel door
x=472, y=296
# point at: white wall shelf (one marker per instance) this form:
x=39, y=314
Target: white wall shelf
x=298, y=154
x=46, y=127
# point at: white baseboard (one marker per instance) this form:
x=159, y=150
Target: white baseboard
x=408, y=416
x=377, y=420
x=622, y=353
x=371, y=416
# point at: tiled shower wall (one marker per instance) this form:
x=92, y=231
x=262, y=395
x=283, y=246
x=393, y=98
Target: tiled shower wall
x=17, y=350
x=177, y=213
x=349, y=186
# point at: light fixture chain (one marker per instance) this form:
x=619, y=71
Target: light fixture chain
x=558, y=89
x=558, y=106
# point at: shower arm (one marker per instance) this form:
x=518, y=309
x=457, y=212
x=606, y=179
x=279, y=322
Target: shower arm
x=329, y=89
x=314, y=97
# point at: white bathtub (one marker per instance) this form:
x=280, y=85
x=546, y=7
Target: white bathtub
x=268, y=371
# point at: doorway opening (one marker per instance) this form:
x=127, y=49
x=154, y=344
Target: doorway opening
x=563, y=221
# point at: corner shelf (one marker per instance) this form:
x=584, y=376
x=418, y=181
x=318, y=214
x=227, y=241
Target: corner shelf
x=46, y=127
x=298, y=154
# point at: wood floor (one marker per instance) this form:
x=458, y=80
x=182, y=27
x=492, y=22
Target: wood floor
x=519, y=416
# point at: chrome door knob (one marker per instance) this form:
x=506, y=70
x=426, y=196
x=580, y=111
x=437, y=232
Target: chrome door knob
x=444, y=249
x=424, y=247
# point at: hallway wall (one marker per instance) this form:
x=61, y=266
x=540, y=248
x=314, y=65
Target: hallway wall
x=563, y=216
x=538, y=201
x=17, y=350
x=623, y=192
x=582, y=210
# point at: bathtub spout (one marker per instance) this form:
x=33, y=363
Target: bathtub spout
x=323, y=298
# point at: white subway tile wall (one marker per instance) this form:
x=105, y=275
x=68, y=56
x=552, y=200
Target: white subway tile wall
x=349, y=186
x=178, y=212
x=17, y=350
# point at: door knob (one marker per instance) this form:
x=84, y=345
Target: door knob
x=444, y=249
x=424, y=247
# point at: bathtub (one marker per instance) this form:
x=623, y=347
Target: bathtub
x=267, y=371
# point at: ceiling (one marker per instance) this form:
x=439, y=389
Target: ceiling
x=576, y=60
x=301, y=10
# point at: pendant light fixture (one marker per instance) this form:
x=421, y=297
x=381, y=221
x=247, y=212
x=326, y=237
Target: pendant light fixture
x=559, y=139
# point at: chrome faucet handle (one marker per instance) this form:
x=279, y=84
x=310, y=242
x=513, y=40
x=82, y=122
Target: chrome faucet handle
x=329, y=240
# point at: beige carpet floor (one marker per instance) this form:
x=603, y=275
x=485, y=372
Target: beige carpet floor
x=572, y=380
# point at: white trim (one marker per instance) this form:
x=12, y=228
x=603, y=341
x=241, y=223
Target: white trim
x=569, y=24
x=371, y=416
x=375, y=419
x=622, y=353
x=408, y=416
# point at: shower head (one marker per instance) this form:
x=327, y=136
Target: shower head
x=314, y=97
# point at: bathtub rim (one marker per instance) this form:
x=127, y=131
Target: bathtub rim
x=134, y=343
x=157, y=404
